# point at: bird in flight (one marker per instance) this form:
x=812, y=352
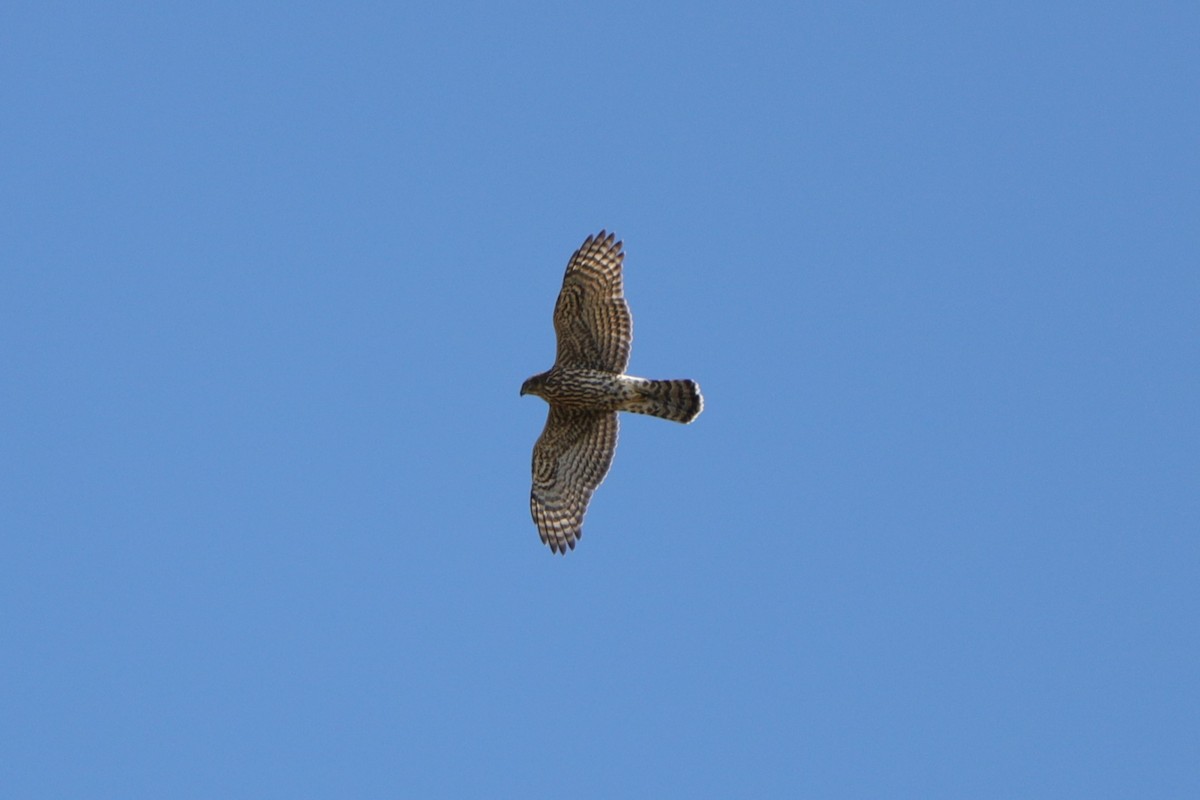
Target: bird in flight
x=586, y=388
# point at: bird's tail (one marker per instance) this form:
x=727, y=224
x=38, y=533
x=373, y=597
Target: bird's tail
x=678, y=400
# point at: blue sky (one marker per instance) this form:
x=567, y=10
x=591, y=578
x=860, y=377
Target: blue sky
x=273, y=274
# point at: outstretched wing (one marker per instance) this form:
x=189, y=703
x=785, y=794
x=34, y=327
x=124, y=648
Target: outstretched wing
x=591, y=317
x=570, y=460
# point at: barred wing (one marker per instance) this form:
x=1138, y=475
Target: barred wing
x=570, y=460
x=591, y=317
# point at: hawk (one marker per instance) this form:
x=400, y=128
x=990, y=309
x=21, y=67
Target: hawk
x=586, y=388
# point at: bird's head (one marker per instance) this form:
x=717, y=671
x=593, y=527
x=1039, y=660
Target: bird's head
x=531, y=386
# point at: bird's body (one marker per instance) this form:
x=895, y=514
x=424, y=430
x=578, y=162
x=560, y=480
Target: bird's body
x=586, y=388
x=596, y=390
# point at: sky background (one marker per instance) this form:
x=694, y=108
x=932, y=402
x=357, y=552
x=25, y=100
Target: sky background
x=273, y=274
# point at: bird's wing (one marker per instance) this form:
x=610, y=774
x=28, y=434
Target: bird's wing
x=570, y=460
x=591, y=317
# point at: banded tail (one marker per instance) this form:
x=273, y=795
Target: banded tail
x=678, y=400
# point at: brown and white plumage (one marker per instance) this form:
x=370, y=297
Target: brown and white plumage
x=586, y=387
x=570, y=460
x=591, y=318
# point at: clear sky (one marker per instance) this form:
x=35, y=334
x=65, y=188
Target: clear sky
x=273, y=274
